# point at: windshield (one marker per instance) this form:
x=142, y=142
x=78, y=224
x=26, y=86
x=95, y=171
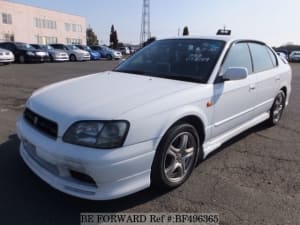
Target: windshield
x=24, y=46
x=180, y=59
x=72, y=47
x=48, y=47
x=87, y=48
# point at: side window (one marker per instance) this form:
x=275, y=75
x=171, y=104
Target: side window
x=238, y=56
x=261, y=58
x=272, y=56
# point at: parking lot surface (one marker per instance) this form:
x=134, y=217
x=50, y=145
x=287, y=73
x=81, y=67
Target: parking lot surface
x=252, y=179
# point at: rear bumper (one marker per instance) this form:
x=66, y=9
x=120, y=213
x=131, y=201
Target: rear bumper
x=115, y=173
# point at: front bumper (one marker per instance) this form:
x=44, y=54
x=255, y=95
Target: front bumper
x=37, y=58
x=84, y=57
x=6, y=59
x=61, y=58
x=115, y=173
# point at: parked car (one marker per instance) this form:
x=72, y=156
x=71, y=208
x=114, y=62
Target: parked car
x=25, y=52
x=55, y=54
x=107, y=52
x=94, y=54
x=294, y=56
x=125, y=50
x=75, y=54
x=6, y=56
x=154, y=117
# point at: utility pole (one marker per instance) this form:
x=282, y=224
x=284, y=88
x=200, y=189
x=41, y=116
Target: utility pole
x=145, y=27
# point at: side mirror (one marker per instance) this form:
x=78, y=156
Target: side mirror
x=235, y=73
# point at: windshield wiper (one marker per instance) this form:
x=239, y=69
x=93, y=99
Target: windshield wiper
x=131, y=71
x=184, y=78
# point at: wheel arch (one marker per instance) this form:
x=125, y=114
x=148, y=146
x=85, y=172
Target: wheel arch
x=194, y=118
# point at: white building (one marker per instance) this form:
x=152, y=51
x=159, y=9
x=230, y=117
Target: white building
x=24, y=23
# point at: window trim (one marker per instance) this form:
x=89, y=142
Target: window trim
x=267, y=47
x=218, y=77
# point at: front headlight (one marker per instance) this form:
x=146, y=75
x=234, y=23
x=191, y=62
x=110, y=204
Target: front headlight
x=30, y=53
x=97, y=134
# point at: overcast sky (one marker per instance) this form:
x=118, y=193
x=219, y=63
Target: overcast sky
x=274, y=21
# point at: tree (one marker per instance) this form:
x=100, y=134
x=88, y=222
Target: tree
x=113, y=38
x=185, y=31
x=91, y=37
x=149, y=41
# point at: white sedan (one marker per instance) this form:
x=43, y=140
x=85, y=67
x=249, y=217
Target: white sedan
x=6, y=56
x=151, y=119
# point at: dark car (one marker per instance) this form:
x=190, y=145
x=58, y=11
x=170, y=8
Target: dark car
x=25, y=52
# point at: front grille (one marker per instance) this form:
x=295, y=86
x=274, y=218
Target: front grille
x=42, y=124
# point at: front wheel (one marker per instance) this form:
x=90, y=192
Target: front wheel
x=21, y=59
x=277, y=108
x=175, y=157
x=73, y=58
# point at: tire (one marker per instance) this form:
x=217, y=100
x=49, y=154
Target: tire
x=277, y=109
x=21, y=59
x=73, y=58
x=109, y=57
x=175, y=157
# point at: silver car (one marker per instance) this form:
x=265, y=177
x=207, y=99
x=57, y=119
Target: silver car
x=55, y=54
x=294, y=56
x=6, y=56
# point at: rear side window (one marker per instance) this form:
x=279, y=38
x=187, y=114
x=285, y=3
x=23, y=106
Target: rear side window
x=272, y=56
x=261, y=57
x=238, y=56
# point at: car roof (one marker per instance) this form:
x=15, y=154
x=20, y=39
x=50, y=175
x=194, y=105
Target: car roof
x=226, y=38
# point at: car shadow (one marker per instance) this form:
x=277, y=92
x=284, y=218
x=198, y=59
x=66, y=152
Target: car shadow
x=32, y=201
x=257, y=128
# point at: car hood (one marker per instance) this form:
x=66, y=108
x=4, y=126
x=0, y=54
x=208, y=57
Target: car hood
x=94, y=52
x=102, y=96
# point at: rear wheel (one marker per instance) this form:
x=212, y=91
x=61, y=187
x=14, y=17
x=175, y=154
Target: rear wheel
x=175, y=157
x=109, y=57
x=277, y=108
x=73, y=58
x=21, y=59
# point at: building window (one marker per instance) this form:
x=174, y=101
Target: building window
x=8, y=37
x=73, y=27
x=73, y=41
x=6, y=18
x=45, y=40
x=43, y=23
x=67, y=27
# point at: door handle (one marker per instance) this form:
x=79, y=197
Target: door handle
x=252, y=87
x=277, y=79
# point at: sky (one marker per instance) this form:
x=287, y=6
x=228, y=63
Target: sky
x=273, y=21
